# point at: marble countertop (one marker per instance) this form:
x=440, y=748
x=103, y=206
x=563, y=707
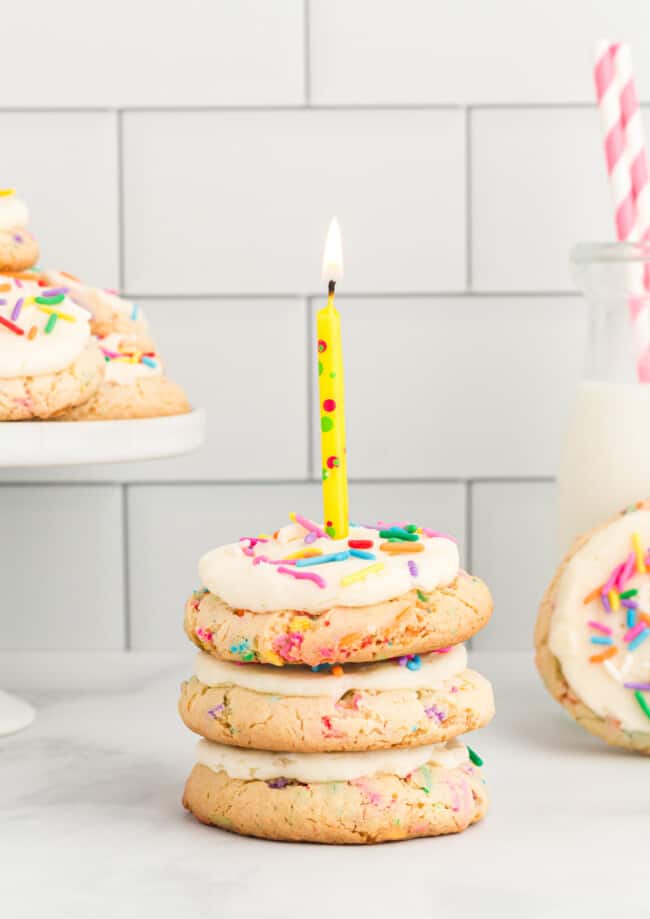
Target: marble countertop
x=91, y=825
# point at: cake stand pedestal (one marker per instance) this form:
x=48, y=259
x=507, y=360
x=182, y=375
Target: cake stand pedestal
x=70, y=443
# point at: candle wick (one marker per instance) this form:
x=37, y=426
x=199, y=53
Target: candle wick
x=330, y=288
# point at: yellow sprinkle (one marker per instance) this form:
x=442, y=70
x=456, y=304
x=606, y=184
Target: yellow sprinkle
x=292, y=516
x=270, y=657
x=6, y=192
x=614, y=601
x=300, y=624
x=52, y=309
x=638, y=551
x=263, y=536
x=305, y=553
x=363, y=574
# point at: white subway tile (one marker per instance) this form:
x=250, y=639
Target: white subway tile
x=62, y=568
x=376, y=51
x=64, y=165
x=514, y=551
x=539, y=185
x=152, y=53
x=239, y=202
x=170, y=527
x=245, y=362
x=457, y=387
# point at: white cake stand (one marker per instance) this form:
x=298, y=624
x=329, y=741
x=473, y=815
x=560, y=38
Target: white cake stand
x=67, y=443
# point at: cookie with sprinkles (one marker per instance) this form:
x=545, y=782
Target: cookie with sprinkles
x=301, y=597
x=135, y=386
x=405, y=702
x=49, y=361
x=18, y=248
x=337, y=798
x=593, y=631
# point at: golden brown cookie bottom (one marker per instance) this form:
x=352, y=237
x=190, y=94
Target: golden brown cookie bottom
x=430, y=802
x=146, y=398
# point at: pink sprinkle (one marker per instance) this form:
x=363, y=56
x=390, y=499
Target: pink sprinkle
x=18, y=282
x=310, y=526
x=271, y=561
x=247, y=551
x=252, y=540
x=631, y=634
x=627, y=572
x=605, y=629
x=435, y=534
x=443, y=650
x=108, y=353
x=611, y=580
x=303, y=576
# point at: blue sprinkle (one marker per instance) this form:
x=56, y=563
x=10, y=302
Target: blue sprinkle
x=318, y=667
x=640, y=638
x=630, y=618
x=149, y=362
x=134, y=311
x=415, y=663
x=601, y=640
x=322, y=559
x=361, y=553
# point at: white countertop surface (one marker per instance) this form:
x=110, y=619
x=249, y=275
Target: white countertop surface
x=91, y=824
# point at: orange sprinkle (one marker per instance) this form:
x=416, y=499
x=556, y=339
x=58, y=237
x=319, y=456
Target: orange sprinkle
x=401, y=548
x=603, y=656
x=644, y=618
x=32, y=333
x=73, y=277
x=337, y=670
x=305, y=553
x=4, y=287
x=593, y=595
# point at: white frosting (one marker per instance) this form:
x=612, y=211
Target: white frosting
x=124, y=372
x=301, y=681
x=13, y=212
x=600, y=685
x=94, y=298
x=327, y=767
x=45, y=353
x=232, y=575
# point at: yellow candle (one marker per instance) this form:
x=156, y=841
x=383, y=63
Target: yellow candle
x=332, y=397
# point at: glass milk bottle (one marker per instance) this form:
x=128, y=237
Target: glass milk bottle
x=605, y=464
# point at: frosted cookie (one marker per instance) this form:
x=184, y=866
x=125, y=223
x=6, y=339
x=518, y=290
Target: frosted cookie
x=110, y=312
x=593, y=631
x=405, y=702
x=337, y=797
x=134, y=386
x=48, y=359
x=299, y=597
x=18, y=248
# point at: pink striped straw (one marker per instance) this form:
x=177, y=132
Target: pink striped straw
x=628, y=175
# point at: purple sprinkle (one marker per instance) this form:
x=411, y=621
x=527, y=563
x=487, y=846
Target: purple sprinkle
x=605, y=601
x=3, y=302
x=15, y=313
x=18, y=238
x=403, y=661
x=213, y=712
x=434, y=712
x=644, y=687
x=55, y=291
x=413, y=568
x=630, y=604
x=311, y=537
x=278, y=783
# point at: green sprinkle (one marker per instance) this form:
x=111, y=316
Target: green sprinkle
x=398, y=533
x=50, y=301
x=422, y=597
x=627, y=594
x=476, y=759
x=248, y=657
x=642, y=702
x=51, y=322
x=411, y=528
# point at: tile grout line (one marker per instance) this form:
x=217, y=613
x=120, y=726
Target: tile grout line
x=368, y=295
x=120, y=202
x=306, y=37
x=312, y=480
x=468, y=536
x=255, y=108
x=126, y=598
x=468, y=199
x=310, y=401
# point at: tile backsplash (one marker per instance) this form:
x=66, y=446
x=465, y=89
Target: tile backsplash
x=195, y=165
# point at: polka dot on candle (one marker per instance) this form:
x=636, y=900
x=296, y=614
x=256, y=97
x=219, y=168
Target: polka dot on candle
x=332, y=376
x=322, y=346
x=326, y=424
x=320, y=368
x=329, y=405
x=333, y=462
x=325, y=475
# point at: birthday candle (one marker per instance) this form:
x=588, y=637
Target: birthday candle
x=332, y=395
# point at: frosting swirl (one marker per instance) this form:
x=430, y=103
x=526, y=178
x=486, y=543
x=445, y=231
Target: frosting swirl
x=13, y=211
x=265, y=574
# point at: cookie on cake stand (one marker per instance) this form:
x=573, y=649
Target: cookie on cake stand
x=18, y=248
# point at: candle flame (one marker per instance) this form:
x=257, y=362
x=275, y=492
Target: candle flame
x=333, y=253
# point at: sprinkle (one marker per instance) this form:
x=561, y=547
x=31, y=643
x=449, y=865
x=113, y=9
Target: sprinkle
x=642, y=702
x=613, y=671
x=593, y=595
x=411, y=528
x=627, y=663
x=605, y=629
x=48, y=309
x=611, y=580
x=56, y=292
x=15, y=313
x=414, y=663
x=644, y=618
x=626, y=571
x=629, y=604
x=7, y=192
x=401, y=548
x=631, y=634
x=603, y=656
x=148, y=362
x=134, y=312
x=645, y=687
x=432, y=711
x=614, y=602
x=308, y=525
x=403, y=660
x=633, y=645
x=601, y=640
x=111, y=354
x=413, y=568
x=4, y=288
x=213, y=712
x=303, y=575
x=628, y=593
x=436, y=534
x=31, y=335
x=362, y=574
x=278, y=783
x=605, y=603
x=10, y=325
x=49, y=301
x=398, y=533
x=337, y=670
x=361, y=543
x=322, y=559
x=304, y=553
x=361, y=553
x=51, y=322
x=630, y=618
x=422, y=597
x=475, y=758
x=638, y=551
x=443, y=651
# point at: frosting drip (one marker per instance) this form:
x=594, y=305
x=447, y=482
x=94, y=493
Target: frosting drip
x=38, y=338
x=245, y=764
x=300, y=681
x=261, y=575
x=580, y=631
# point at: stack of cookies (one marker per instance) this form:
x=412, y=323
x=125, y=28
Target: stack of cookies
x=68, y=351
x=332, y=686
